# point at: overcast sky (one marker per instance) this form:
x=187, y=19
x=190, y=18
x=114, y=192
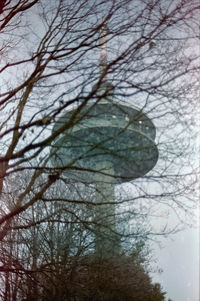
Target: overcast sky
x=179, y=260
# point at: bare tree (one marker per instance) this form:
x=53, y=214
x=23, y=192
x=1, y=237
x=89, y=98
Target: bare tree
x=52, y=79
x=49, y=255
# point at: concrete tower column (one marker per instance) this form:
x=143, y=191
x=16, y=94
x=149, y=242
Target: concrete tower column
x=107, y=241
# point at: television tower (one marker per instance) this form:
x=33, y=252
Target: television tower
x=109, y=142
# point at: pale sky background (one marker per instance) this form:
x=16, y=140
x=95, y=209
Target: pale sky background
x=179, y=260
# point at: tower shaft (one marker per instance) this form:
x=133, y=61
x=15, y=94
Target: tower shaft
x=107, y=242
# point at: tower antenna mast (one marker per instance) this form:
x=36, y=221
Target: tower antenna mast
x=103, y=46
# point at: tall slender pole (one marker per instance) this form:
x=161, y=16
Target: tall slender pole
x=106, y=88
x=103, y=46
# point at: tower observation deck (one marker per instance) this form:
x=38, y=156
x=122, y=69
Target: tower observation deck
x=110, y=142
